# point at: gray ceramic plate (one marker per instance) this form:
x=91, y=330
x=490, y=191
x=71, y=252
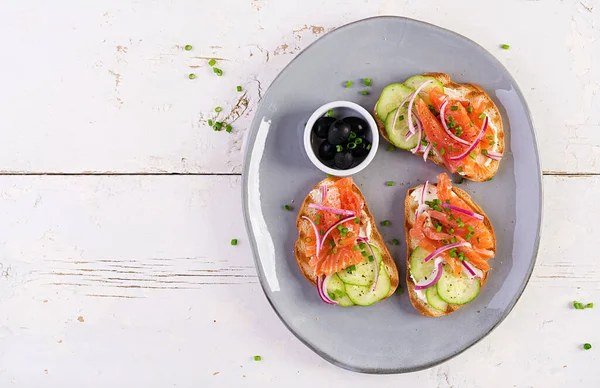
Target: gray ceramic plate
x=390, y=336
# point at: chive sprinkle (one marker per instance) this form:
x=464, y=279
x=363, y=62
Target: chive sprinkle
x=357, y=221
x=364, y=93
x=288, y=207
x=587, y=346
x=239, y=88
x=473, y=155
x=234, y=241
x=484, y=151
x=348, y=84
x=435, y=144
x=401, y=117
x=505, y=46
x=454, y=107
x=210, y=123
x=390, y=183
x=438, y=228
x=257, y=358
x=459, y=169
x=369, y=147
x=391, y=148
x=481, y=116
x=218, y=109
x=358, y=140
x=400, y=290
x=339, y=148
x=442, y=151
x=395, y=241
x=351, y=145
x=217, y=126
x=470, y=109
x=352, y=135
x=212, y=62
x=370, y=258
x=589, y=306
x=367, y=81
x=329, y=113
x=217, y=71
x=228, y=128
x=351, y=268
x=386, y=223
x=192, y=76
x=188, y=47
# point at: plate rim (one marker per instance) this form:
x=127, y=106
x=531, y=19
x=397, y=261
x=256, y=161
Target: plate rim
x=244, y=191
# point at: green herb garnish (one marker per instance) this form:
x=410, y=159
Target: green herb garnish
x=367, y=81
x=481, y=116
x=395, y=241
x=442, y=151
x=218, y=109
x=348, y=84
x=212, y=62
x=454, y=107
x=470, y=109
x=390, y=183
x=351, y=268
x=238, y=88
x=192, y=76
x=210, y=123
x=505, y=46
x=217, y=71
x=472, y=155
x=339, y=148
x=352, y=135
x=587, y=346
x=288, y=207
x=257, y=358
x=386, y=223
x=188, y=47
x=364, y=93
x=391, y=148
x=401, y=117
x=329, y=113
x=351, y=145
x=234, y=241
x=358, y=140
x=228, y=128
x=357, y=221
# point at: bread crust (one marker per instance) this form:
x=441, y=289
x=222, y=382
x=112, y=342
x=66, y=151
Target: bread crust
x=410, y=207
x=305, y=230
x=472, y=93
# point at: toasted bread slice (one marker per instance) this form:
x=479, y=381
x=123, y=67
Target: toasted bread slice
x=410, y=208
x=305, y=230
x=465, y=92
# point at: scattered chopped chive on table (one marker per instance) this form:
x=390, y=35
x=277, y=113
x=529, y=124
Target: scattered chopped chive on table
x=348, y=84
x=218, y=109
x=390, y=183
x=257, y=358
x=330, y=113
x=367, y=81
x=364, y=93
x=210, y=123
x=217, y=71
x=391, y=148
x=587, y=346
x=239, y=88
x=505, y=46
x=188, y=47
x=288, y=207
x=212, y=62
x=192, y=76
x=386, y=223
x=228, y=128
x=234, y=241
x=395, y=241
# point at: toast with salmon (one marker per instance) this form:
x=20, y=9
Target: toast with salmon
x=457, y=126
x=339, y=249
x=449, y=240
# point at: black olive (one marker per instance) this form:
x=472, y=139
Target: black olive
x=326, y=151
x=363, y=146
x=338, y=132
x=357, y=125
x=321, y=127
x=343, y=160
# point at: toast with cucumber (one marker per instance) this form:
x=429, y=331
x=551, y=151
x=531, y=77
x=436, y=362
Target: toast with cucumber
x=339, y=249
x=449, y=240
x=457, y=126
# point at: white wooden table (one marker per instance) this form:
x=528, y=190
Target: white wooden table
x=117, y=202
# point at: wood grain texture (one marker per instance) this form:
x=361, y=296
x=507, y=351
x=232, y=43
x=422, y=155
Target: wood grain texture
x=109, y=86
x=103, y=284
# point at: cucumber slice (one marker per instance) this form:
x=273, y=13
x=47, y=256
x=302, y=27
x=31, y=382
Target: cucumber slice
x=419, y=269
x=337, y=291
x=434, y=300
x=457, y=290
x=397, y=133
x=417, y=80
x=364, y=274
x=391, y=96
x=364, y=296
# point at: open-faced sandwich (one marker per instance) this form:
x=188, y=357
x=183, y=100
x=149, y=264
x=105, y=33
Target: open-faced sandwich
x=339, y=249
x=457, y=126
x=449, y=240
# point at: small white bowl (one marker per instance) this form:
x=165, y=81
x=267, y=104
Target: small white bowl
x=340, y=109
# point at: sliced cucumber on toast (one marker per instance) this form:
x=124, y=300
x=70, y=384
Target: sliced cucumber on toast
x=419, y=269
x=457, y=290
x=397, y=133
x=434, y=300
x=417, y=80
x=336, y=290
x=391, y=96
x=363, y=273
x=365, y=295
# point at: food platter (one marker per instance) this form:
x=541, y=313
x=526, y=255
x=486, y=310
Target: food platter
x=390, y=336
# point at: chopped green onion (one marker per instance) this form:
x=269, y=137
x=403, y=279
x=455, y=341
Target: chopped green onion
x=489, y=179
x=424, y=143
x=228, y=128
x=481, y=116
x=358, y=140
x=459, y=169
x=400, y=290
x=364, y=93
x=257, y=358
x=192, y=76
x=370, y=258
x=461, y=256
x=470, y=228
x=391, y=148
x=217, y=71
x=351, y=268
x=339, y=293
x=492, y=142
x=339, y=148
x=589, y=306
x=451, y=230
x=288, y=207
x=348, y=84
x=460, y=223
x=357, y=221
x=442, y=151
x=362, y=245
x=484, y=151
x=369, y=147
x=505, y=46
x=364, y=253
x=329, y=113
x=188, y=47
x=390, y=183
x=351, y=145
x=453, y=240
x=355, y=247
x=435, y=144
x=210, y=123
x=401, y=117
x=212, y=62
x=234, y=241
x=587, y=346
x=344, y=230
x=438, y=228
x=470, y=109
x=321, y=232
x=454, y=107
x=352, y=135
x=218, y=109
x=218, y=125
x=386, y=223
x=367, y=81
x=395, y=241
x=239, y=88
x=453, y=254
x=468, y=236
x=473, y=155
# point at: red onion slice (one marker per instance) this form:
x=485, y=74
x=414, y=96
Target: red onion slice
x=422, y=200
x=323, y=193
x=332, y=227
x=471, y=271
x=463, y=211
x=445, y=248
x=410, y=124
x=494, y=155
x=426, y=152
x=321, y=287
x=472, y=146
x=374, y=261
x=318, y=242
x=433, y=278
x=398, y=114
x=331, y=209
x=448, y=131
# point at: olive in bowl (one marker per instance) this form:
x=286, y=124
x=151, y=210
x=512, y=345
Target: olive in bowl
x=341, y=138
